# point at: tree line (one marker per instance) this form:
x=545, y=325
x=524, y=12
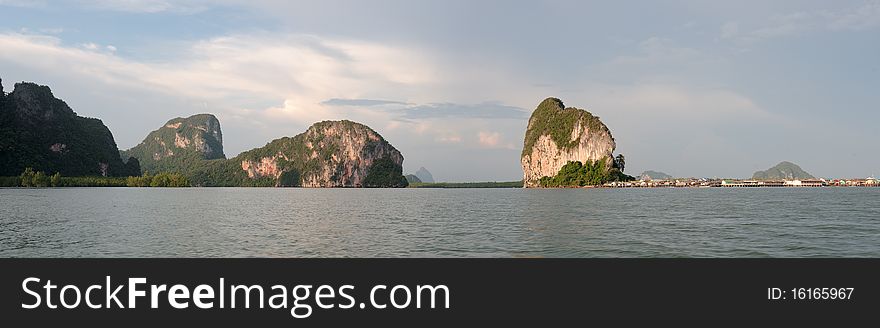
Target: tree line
x=39, y=179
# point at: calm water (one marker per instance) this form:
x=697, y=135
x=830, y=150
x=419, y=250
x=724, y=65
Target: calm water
x=236, y=222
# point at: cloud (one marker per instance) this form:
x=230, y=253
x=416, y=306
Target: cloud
x=448, y=139
x=489, y=139
x=486, y=110
x=275, y=83
x=298, y=72
x=359, y=102
x=407, y=112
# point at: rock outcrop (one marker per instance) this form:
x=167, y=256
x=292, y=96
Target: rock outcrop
x=179, y=143
x=42, y=132
x=557, y=135
x=328, y=154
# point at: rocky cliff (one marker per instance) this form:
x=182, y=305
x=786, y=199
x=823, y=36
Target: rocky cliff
x=328, y=154
x=40, y=131
x=557, y=135
x=180, y=144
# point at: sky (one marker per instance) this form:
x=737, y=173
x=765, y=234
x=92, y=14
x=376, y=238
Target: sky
x=690, y=88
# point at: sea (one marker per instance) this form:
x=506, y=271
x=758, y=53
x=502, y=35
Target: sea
x=298, y=222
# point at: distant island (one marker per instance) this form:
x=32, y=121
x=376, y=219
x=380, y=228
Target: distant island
x=783, y=170
x=654, y=175
x=421, y=175
x=424, y=175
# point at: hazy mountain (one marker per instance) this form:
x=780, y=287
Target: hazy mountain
x=654, y=175
x=411, y=178
x=424, y=175
x=784, y=170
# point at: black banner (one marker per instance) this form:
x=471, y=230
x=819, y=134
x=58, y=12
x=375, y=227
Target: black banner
x=510, y=292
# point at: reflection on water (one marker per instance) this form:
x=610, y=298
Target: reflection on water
x=268, y=222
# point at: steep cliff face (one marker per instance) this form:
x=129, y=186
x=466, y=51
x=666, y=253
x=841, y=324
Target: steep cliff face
x=40, y=131
x=328, y=154
x=557, y=135
x=179, y=144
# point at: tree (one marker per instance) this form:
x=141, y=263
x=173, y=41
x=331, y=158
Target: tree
x=40, y=179
x=56, y=179
x=620, y=162
x=133, y=167
x=27, y=177
x=385, y=173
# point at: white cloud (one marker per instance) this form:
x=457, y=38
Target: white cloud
x=489, y=139
x=296, y=72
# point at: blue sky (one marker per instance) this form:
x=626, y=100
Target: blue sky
x=691, y=88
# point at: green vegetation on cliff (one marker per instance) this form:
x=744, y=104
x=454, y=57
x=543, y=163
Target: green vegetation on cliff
x=316, y=154
x=577, y=174
x=553, y=119
x=40, y=131
x=180, y=145
x=384, y=173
